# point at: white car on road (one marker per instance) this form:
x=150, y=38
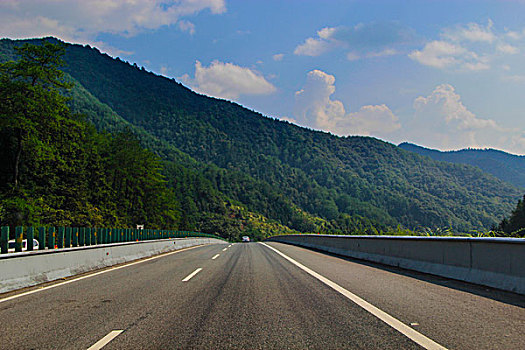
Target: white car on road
x=11, y=247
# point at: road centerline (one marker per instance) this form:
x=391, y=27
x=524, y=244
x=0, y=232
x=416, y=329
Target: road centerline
x=104, y=341
x=190, y=276
x=409, y=332
x=215, y=256
x=225, y=249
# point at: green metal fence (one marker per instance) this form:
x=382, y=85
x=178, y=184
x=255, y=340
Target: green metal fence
x=68, y=237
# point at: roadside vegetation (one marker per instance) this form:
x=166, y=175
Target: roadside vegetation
x=57, y=169
x=156, y=153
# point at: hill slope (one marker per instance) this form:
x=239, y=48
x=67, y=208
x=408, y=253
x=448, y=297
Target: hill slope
x=345, y=182
x=505, y=166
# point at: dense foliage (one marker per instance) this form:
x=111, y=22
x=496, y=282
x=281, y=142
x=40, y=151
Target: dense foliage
x=57, y=169
x=505, y=166
x=345, y=181
x=515, y=224
x=233, y=171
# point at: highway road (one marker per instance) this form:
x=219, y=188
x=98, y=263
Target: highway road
x=259, y=296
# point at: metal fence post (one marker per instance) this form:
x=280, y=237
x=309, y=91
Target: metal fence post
x=67, y=239
x=74, y=237
x=4, y=239
x=51, y=240
x=88, y=234
x=81, y=236
x=99, y=235
x=19, y=236
x=41, y=238
x=60, y=237
x=30, y=235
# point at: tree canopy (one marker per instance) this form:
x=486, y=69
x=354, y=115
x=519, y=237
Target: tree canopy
x=212, y=165
x=59, y=169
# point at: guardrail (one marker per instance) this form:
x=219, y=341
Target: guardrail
x=19, y=270
x=493, y=262
x=67, y=237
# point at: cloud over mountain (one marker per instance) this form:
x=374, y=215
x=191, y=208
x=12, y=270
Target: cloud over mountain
x=441, y=120
x=315, y=108
x=362, y=39
x=82, y=21
x=228, y=81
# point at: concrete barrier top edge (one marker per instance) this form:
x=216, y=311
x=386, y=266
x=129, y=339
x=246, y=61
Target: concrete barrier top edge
x=97, y=246
x=440, y=238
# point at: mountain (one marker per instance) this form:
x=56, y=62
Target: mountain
x=505, y=166
x=282, y=174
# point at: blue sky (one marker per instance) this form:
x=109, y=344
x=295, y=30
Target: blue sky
x=442, y=74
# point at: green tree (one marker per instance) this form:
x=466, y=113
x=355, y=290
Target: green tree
x=31, y=105
x=515, y=224
x=60, y=170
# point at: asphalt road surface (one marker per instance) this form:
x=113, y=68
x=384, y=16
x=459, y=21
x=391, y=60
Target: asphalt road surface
x=249, y=296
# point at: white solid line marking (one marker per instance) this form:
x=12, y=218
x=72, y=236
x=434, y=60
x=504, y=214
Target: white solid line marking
x=415, y=336
x=215, y=257
x=192, y=274
x=40, y=289
x=102, y=342
x=225, y=249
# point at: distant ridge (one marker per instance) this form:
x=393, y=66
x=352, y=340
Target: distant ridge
x=505, y=166
x=236, y=172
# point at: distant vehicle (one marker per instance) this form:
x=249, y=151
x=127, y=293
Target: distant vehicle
x=245, y=238
x=11, y=245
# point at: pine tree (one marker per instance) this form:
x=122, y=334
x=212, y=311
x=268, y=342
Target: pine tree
x=515, y=224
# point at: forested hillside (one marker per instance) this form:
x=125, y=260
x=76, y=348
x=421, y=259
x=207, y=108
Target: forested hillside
x=230, y=166
x=57, y=169
x=505, y=166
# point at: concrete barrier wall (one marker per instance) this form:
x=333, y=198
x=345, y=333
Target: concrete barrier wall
x=18, y=270
x=493, y=262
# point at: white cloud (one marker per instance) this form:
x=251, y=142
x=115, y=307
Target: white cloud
x=476, y=66
x=314, y=47
x=513, y=35
x=362, y=39
x=439, y=54
x=443, y=54
x=278, y=57
x=442, y=121
x=471, y=47
x=352, y=56
x=187, y=26
x=228, y=81
x=327, y=33
x=375, y=120
x=507, y=49
x=82, y=21
x=164, y=70
x=447, y=103
x=383, y=53
x=315, y=108
x=472, y=32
